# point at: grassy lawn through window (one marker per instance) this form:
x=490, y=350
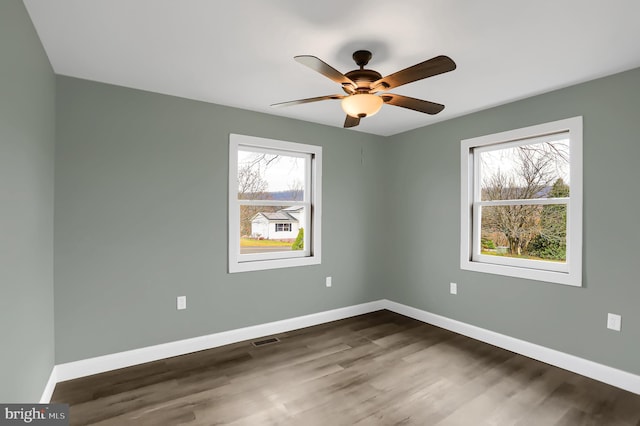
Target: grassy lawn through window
x=251, y=242
x=520, y=256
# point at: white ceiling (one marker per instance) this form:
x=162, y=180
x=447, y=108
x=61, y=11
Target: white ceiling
x=240, y=52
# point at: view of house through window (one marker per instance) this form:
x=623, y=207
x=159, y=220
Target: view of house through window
x=274, y=203
x=274, y=177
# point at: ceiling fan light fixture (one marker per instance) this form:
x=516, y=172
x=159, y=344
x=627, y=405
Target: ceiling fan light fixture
x=361, y=105
x=363, y=86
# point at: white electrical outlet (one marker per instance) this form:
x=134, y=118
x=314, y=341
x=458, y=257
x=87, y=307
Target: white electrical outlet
x=181, y=302
x=453, y=288
x=328, y=282
x=614, y=322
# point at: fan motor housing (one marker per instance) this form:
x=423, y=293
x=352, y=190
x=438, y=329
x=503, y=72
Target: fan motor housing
x=363, y=78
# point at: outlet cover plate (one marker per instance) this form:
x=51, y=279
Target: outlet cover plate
x=181, y=302
x=614, y=322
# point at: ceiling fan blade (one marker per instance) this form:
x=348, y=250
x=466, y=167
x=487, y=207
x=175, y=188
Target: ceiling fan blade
x=306, y=101
x=429, y=68
x=351, y=121
x=325, y=69
x=412, y=103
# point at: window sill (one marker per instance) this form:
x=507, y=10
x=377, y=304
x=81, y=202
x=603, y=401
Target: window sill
x=260, y=265
x=571, y=278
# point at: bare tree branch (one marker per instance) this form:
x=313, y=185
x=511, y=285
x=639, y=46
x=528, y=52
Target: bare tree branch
x=531, y=174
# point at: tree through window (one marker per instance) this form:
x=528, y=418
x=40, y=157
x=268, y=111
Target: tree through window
x=522, y=198
x=531, y=171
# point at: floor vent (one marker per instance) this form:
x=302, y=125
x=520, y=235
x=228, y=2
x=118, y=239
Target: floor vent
x=268, y=341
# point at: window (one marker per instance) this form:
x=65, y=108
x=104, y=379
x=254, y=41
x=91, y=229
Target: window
x=274, y=203
x=522, y=203
x=283, y=227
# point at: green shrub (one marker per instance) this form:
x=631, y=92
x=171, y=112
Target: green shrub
x=547, y=248
x=298, y=244
x=487, y=244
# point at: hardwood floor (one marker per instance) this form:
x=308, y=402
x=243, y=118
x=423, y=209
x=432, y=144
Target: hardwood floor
x=374, y=369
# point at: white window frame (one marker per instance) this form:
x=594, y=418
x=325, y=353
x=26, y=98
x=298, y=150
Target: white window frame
x=569, y=273
x=311, y=254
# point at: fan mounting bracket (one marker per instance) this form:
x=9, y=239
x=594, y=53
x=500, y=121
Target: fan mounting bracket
x=362, y=57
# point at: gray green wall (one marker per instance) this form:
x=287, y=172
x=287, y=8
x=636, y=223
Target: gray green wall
x=426, y=185
x=141, y=217
x=27, y=120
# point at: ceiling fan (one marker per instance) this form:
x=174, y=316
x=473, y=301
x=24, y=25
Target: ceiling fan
x=363, y=87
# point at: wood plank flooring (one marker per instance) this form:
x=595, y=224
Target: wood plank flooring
x=375, y=369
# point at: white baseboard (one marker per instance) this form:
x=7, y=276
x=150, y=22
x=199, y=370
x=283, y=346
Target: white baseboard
x=87, y=367
x=619, y=378
x=50, y=386
x=100, y=364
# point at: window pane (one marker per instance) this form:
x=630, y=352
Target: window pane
x=270, y=176
x=528, y=232
x=527, y=171
x=268, y=229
